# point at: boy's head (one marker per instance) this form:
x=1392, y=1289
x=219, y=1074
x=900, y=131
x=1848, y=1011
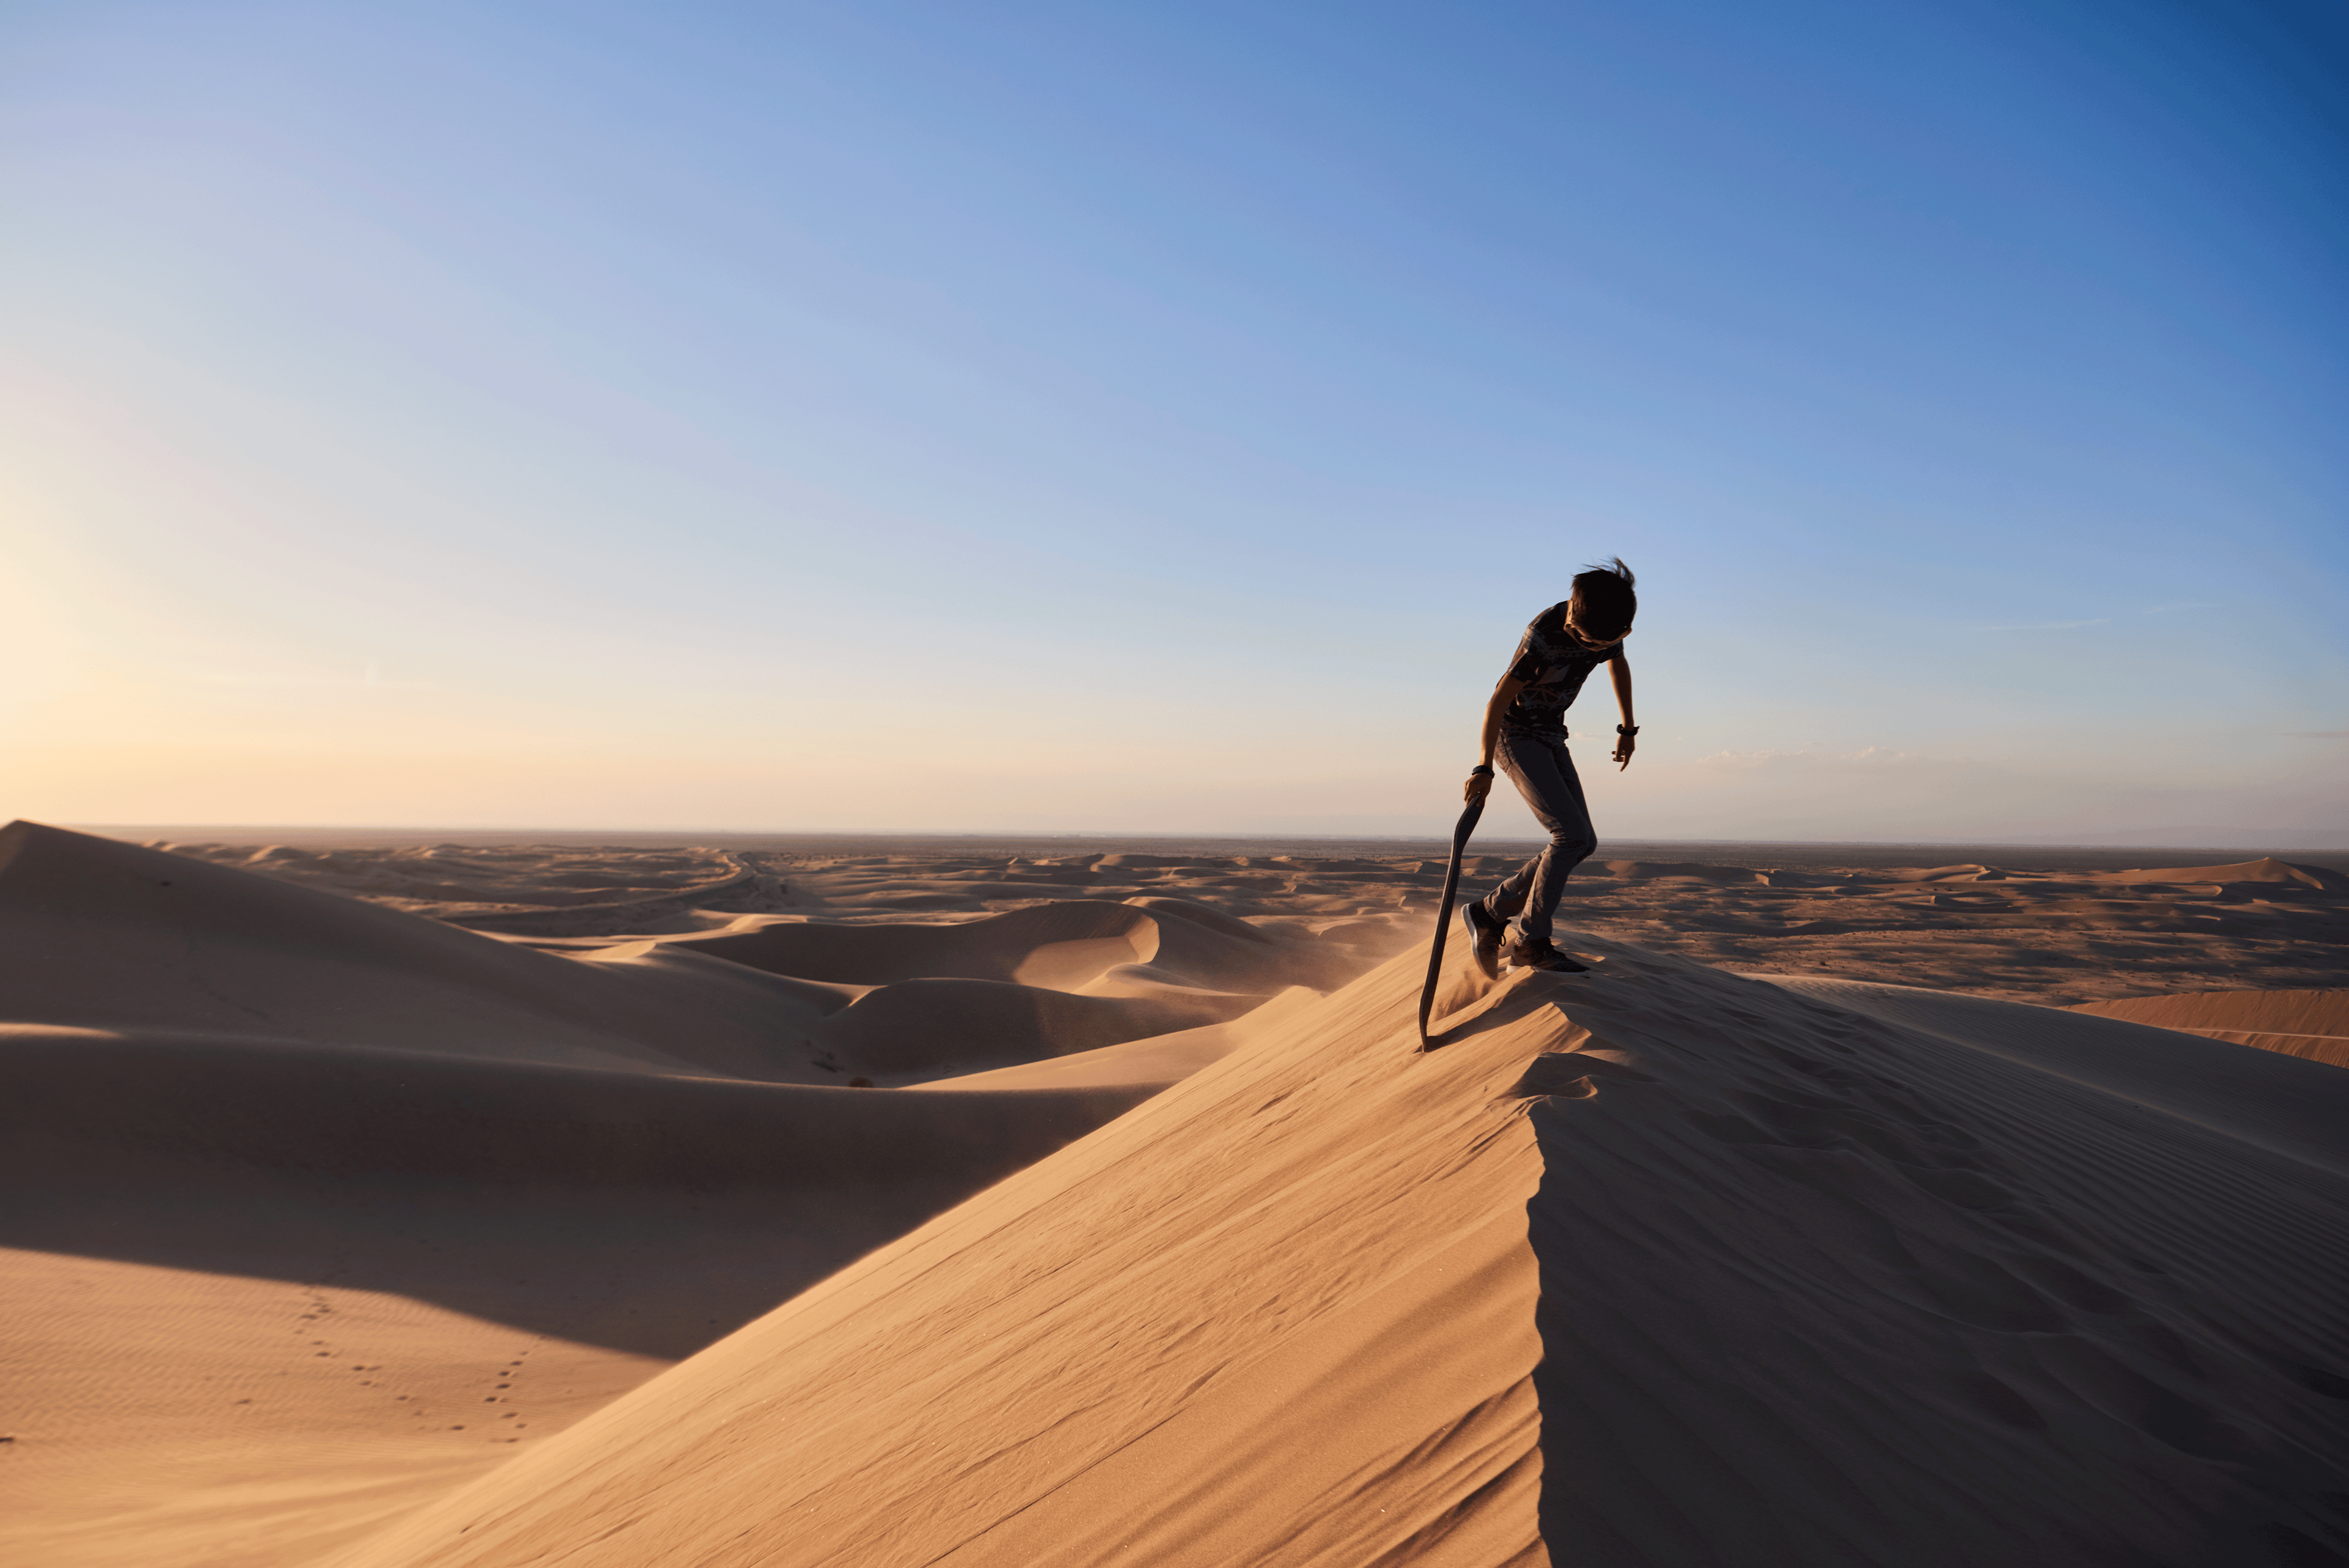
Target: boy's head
x=1603, y=602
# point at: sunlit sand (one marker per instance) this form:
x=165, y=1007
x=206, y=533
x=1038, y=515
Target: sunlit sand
x=791, y=1203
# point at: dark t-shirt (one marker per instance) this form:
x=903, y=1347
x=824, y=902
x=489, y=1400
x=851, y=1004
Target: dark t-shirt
x=1553, y=662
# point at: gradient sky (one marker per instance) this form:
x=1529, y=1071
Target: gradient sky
x=1164, y=417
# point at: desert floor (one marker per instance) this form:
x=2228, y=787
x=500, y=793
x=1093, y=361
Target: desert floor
x=435, y=1198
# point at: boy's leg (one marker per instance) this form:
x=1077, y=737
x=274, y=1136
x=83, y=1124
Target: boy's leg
x=1544, y=773
x=1506, y=900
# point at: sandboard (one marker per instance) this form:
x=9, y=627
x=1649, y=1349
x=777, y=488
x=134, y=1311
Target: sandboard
x=1443, y=916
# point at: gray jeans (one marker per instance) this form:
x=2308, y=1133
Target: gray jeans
x=1539, y=765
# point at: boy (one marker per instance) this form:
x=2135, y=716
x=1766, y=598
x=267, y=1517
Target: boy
x=1525, y=720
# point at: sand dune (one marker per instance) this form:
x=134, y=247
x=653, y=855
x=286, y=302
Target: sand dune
x=2273, y=1011
x=2267, y=869
x=336, y=1232
x=229, y=1097
x=97, y=935
x=535, y=888
x=1659, y=1266
x=1092, y=937
x=100, y=935
x=2311, y=1024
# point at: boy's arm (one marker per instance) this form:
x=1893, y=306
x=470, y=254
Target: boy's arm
x=1619, y=668
x=1502, y=695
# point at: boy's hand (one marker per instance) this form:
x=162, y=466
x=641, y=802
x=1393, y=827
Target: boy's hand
x=1478, y=787
x=1623, y=745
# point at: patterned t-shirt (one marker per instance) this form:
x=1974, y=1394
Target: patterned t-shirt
x=1553, y=662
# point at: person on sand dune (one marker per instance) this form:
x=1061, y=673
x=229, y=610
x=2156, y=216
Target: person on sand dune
x=1525, y=727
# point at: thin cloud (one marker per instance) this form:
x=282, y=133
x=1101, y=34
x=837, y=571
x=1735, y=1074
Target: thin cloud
x=2321, y=735
x=2049, y=625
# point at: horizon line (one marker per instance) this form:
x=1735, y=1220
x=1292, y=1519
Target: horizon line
x=2340, y=844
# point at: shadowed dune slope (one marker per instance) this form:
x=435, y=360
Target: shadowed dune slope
x=647, y=1214
x=2294, y=1107
x=2311, y=1024
x=1659, y=1266
x=229, y=1103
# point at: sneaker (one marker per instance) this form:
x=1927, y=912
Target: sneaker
x=1543, y=956
x=1484, y=932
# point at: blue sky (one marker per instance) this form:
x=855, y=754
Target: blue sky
x=1128, y=418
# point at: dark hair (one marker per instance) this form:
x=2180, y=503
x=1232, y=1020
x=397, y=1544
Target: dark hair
x=1603, y=599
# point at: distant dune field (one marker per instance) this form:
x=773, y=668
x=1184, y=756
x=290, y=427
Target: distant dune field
x=651, y=1204
x=2028, y=924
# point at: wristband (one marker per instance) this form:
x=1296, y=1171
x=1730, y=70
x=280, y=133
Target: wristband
x=1622, y=730
x=1484, y=768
